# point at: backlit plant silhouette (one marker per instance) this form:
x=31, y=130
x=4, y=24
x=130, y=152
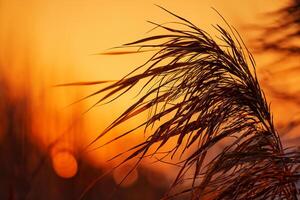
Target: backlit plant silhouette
x=205, y=91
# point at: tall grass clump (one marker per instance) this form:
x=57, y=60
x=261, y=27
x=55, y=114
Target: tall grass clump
x=210, y=89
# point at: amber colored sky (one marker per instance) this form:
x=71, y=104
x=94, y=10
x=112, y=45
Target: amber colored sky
x=51, y=42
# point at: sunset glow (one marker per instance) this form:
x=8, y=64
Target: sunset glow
x=46, y=46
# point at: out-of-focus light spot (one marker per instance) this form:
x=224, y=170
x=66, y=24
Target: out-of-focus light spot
x=121, y=172
x=64, y=164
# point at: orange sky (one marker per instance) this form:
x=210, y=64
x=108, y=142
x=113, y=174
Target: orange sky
x=51, y=42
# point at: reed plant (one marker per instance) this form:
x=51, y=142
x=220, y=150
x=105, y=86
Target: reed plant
x=210, y=89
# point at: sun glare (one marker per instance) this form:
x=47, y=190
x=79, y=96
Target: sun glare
x=64, y=164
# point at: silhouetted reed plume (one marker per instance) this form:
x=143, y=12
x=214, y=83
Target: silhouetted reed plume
x=210, y=89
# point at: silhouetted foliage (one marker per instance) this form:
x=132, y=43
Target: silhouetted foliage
x=205, y=91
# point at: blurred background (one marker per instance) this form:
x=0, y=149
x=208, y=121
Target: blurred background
x=45, y=130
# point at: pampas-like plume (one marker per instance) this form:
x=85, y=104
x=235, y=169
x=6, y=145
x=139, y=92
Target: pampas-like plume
x=211, y=92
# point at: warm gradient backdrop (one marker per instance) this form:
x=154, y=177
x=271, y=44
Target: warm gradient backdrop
x=44, y=43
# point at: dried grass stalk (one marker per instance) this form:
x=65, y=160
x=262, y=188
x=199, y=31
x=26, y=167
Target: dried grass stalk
x=212, y=93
